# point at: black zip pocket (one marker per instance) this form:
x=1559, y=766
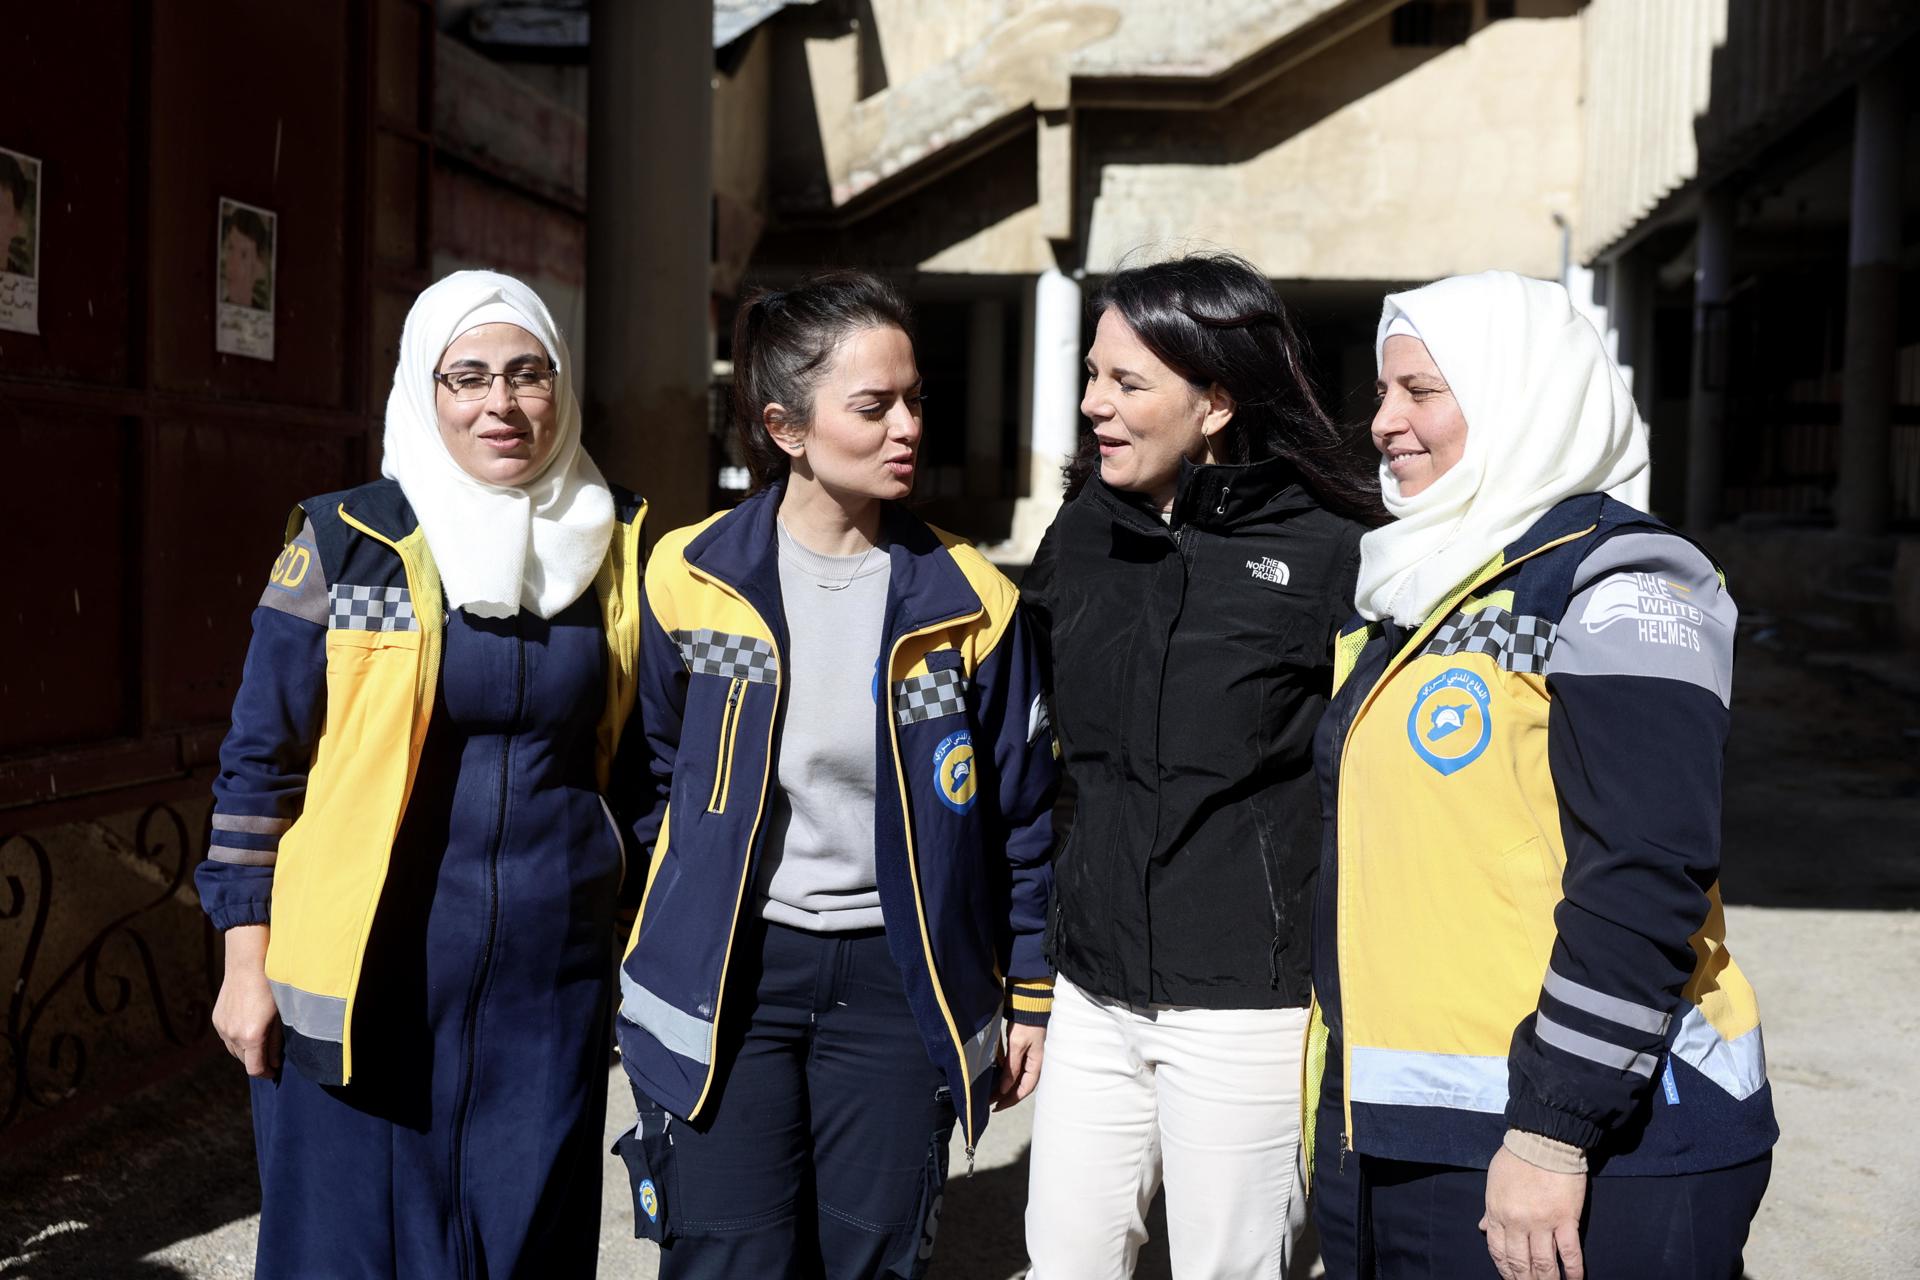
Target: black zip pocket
x=729, y=731
x=647, y=1151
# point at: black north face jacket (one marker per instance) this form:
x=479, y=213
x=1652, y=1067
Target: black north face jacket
x=1189, y=663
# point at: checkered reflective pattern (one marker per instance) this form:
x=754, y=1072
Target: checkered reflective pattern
x=1516, y=643
x=937, y=693
x=354, y=608
x=715, y=653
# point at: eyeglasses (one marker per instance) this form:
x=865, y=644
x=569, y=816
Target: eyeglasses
x=477, y=384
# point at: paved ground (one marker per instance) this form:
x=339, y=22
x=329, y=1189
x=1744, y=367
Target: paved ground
x=1823, y=878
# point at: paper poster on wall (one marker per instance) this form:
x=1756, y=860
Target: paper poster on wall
x=244, y=280
x=19, y=242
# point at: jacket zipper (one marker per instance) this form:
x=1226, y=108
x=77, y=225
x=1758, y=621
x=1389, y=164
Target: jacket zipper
x=618, y=839
x=483, y=973
x=913, y=868
x=1409, y=650
x=729, y=729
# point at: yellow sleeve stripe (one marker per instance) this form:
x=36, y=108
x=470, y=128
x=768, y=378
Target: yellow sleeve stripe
x=1024, y=1003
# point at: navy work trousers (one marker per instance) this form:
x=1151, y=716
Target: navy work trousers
x=1397, y=1220
x=826, y=1154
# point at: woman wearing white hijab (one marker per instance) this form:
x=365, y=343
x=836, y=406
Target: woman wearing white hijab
x=1539, y=1056
x=412, y=862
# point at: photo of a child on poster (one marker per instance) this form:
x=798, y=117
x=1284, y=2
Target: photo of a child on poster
x=19, y=242
x=244, y=280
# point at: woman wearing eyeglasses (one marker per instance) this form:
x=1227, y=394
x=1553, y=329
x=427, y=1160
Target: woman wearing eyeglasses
x=412, y=861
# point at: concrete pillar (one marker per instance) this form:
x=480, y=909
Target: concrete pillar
x=1863, y=500
x=1630, y=304
x=649, y=200
x=986, y=396
x=1057, y=356
x=1706, y=428
x=1050, y=365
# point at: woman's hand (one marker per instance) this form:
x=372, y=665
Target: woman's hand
x=1020, y=1068
x=244, y=1016
x=1532, y=1215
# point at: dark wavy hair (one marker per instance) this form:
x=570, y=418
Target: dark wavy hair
x=1214, y=320
x=249, y=224
x=13, y=179
x=782, y=341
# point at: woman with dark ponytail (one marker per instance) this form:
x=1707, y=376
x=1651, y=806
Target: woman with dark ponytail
x=1187, y=596
x=845, y=898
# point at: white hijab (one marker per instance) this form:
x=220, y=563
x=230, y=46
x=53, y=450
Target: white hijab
x=1548, y=416
x=500, y=548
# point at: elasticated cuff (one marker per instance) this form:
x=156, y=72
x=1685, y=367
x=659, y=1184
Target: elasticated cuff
x=1030, y=1001
x=235, y=914
x=1545, y=1153
x=1531, y=1116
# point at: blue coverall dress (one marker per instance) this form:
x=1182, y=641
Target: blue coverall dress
x=467, y=1143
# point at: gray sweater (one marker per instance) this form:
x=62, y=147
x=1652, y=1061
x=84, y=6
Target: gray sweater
x=816, y=870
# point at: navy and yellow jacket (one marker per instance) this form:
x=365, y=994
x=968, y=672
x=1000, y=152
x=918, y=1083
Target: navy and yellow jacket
x=964, y=785
x=1518, y=920
x=328, y=727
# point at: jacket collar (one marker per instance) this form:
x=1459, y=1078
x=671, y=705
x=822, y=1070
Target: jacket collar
x=382, y=507
x=925, y=586
x=1218, y=496
x=1568, y=516
x=1225, y=496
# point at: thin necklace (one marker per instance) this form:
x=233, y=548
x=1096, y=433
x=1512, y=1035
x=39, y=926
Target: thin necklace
x=847, y=581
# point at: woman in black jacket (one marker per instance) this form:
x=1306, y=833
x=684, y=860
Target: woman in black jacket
x=1187, y=595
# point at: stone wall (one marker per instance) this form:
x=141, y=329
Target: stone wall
x=1364, y=161
x=1368, y=162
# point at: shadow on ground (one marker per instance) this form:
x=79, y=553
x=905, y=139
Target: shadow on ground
x=168, y=1164
x=983, y=1235
x=1823, y=776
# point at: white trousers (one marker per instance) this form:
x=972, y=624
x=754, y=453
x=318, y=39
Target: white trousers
x=1209, y=1098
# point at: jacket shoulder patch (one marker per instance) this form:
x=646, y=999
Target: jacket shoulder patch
x=1649, y=604
x=297, y=584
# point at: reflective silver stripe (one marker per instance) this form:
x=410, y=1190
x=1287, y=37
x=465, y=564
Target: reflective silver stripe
x=682, y=1032
x=984, y=1049
x=315, y=1017
x=1404, y=1078
x=251, y=825
x=1739, y=1066
x=1602, y=1005
x=241, y=857
x=1583, y=1046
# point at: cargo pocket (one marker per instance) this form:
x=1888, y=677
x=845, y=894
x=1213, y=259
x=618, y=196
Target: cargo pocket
x=916, y=1252
x=647, y=1151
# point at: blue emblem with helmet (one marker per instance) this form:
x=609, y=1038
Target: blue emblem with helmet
x=953, y=771
x=1451, y=722
x=649, y=1200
